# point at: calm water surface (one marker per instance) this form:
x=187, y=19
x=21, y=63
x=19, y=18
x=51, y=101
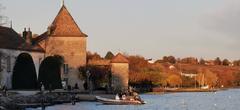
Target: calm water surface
x=222, y=100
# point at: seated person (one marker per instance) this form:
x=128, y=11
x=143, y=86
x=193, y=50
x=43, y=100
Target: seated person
x=124, y=97
x=117, y=97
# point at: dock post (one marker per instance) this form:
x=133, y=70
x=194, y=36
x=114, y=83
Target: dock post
x=73, y=99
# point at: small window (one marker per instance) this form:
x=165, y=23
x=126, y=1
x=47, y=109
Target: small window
x=65, y=68
x=8, y=64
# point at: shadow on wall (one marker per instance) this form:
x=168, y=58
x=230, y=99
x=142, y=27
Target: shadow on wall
x=118, y=84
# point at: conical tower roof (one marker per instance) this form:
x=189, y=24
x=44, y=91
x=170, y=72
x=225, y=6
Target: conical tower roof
x=64, y=25
x=119, y=58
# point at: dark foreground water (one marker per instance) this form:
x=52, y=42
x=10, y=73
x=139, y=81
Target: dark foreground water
x=222, y=100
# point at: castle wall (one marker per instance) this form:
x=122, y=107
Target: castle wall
x=73, y=78
x=120, y=76
x=73, y=50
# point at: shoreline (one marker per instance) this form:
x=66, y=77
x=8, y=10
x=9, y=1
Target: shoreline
x=182, y=90
x=19, y=101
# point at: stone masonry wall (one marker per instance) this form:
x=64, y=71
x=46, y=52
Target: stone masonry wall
x=73, y=49
x=120, y=76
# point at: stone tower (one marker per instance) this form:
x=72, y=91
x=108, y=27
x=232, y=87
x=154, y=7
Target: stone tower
x=65, y=38
x=120, y=73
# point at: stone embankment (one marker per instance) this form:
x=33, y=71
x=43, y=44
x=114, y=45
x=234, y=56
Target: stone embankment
x=22, y=100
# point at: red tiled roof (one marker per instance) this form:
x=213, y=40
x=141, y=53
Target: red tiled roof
x=10, y=39
x=40, y=37
x=119, y=58
x=64, y=25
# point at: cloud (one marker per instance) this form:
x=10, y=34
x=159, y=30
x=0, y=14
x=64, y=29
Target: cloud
x=225, y=19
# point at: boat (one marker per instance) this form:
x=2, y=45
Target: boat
x=108, y=101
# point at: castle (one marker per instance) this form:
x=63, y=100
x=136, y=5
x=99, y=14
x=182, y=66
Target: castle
x=63, y=38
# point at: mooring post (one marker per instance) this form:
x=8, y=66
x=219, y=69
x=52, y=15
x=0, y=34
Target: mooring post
x=42, y=101
x=42, y=104
x=73, y=99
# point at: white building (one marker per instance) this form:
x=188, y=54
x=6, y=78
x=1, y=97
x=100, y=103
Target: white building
x=63, y=38
x=11, y=46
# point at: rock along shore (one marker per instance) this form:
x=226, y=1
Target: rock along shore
x=15, y=101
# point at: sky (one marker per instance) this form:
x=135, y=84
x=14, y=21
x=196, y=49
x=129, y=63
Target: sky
x=150, y=28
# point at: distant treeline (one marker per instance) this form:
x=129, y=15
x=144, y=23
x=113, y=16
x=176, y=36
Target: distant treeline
x=175, y=72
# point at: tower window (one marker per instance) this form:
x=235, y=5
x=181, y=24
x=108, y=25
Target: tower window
x=65, y=68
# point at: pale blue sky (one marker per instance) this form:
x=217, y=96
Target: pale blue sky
x=151, y=28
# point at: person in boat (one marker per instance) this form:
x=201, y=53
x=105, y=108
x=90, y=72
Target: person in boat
x=135, y=95
x=124, y=97
x=137, y=98
x=120, y=95
x=117, y=97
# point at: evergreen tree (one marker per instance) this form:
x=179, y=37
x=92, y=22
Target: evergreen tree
x=24, y=73
x=225, y=62
x=50, y=72
x=109, y=55
x=217, y=61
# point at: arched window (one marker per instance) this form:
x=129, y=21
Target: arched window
x=65, y=68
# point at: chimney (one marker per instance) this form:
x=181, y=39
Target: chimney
x=24, y=34
x=29, y=37
x=50, y=29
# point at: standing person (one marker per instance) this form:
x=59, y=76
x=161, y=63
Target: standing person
x=42, y=88
x=4, y=90
x=76, y=86
x=73, y=99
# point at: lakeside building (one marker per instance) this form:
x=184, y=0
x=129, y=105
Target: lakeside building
x=63, y=38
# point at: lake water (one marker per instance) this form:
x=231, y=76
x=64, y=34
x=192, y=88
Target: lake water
x=221, y=100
